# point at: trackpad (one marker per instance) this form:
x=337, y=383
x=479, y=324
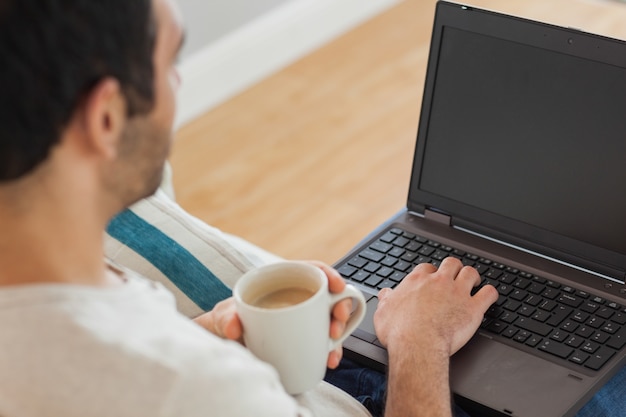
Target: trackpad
x=514, y=382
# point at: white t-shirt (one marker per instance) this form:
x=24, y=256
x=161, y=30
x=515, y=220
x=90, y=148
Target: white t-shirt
x=78, y=351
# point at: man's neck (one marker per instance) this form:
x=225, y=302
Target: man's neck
x=51, y=241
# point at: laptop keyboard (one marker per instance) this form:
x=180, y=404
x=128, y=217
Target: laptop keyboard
x=562, y=321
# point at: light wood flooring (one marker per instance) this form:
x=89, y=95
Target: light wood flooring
x=308, y=161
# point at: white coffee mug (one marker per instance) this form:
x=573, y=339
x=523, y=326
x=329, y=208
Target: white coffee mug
x=288, y=328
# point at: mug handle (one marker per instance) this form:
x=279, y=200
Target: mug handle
x=355, y=317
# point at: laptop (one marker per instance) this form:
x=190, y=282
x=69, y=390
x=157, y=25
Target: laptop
x=519, y=171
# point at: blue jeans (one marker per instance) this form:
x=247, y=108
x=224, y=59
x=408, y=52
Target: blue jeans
x=368, y=387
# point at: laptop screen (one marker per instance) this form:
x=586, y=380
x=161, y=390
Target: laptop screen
x=526, y=137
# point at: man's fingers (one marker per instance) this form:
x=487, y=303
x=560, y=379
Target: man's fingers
x=469, y=277
x=336, y=283
x=486, y=296
x=450, y=266
x=342, y=310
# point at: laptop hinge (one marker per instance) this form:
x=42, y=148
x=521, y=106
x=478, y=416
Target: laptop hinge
x=437, y=217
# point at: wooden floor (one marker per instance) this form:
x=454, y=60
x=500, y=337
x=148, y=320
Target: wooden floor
x=308, y=161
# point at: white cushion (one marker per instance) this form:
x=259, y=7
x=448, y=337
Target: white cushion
x=197, y=262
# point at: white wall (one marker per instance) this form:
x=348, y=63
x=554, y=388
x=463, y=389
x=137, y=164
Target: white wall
x=232, y=44
x=208, y=20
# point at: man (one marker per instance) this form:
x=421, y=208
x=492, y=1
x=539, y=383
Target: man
x=87, y=112
x=87, y=109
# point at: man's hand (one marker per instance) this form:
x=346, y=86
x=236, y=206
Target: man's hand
x=435, y=303
x=428, y=317
x=223, y=321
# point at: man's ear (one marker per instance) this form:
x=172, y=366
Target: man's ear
x=105, y=117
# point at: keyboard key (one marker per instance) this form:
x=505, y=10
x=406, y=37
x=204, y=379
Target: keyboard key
x=618, y=340
x=387, y=237
x=413, y=246
x=605, y=312
x=548, y=305
x=386, y=284
x=371, y=255
x=504, y=289
x=590, y=347
x=598, y=359
x=580, y=317
x=496, y=327
x=397, y=276
x=553, y=284
x=533, y=340
x=569, y=326
x=522, y=336
x=512, y=305
x=409, y=257
x=401, y=242
x=595, y=322
x=360, y=276
x=526, y=311
x=600, y=337
x=536, y=288
x=541, y=316
x=559, y=335
x=494, y=312
x=533, y=326
x=426, y=251
x=579, y=357
x=619, y=318
x=508, y=317
x=570, y=300
x=403, y=266
x=539, y=279
x=508, y=278
x=556, y=348
x=533, y=300
x=371, y=267
x=550, y=293
x=585, y=331
x=389, y=261
x=558, y=315
x=582, y=294
x=357, y=262
x=493, y=273
x=347, y=270
x=373, y=281
x=519, y=295
x=590, y=306
x=598, y=300
x=381, y=246
x=574, y=341
x=522, y=283
x=509, y=332
x=610, y=328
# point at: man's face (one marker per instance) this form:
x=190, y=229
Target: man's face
x=146, y=140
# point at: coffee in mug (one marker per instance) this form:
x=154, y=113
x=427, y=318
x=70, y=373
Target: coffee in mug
x=283, y=297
